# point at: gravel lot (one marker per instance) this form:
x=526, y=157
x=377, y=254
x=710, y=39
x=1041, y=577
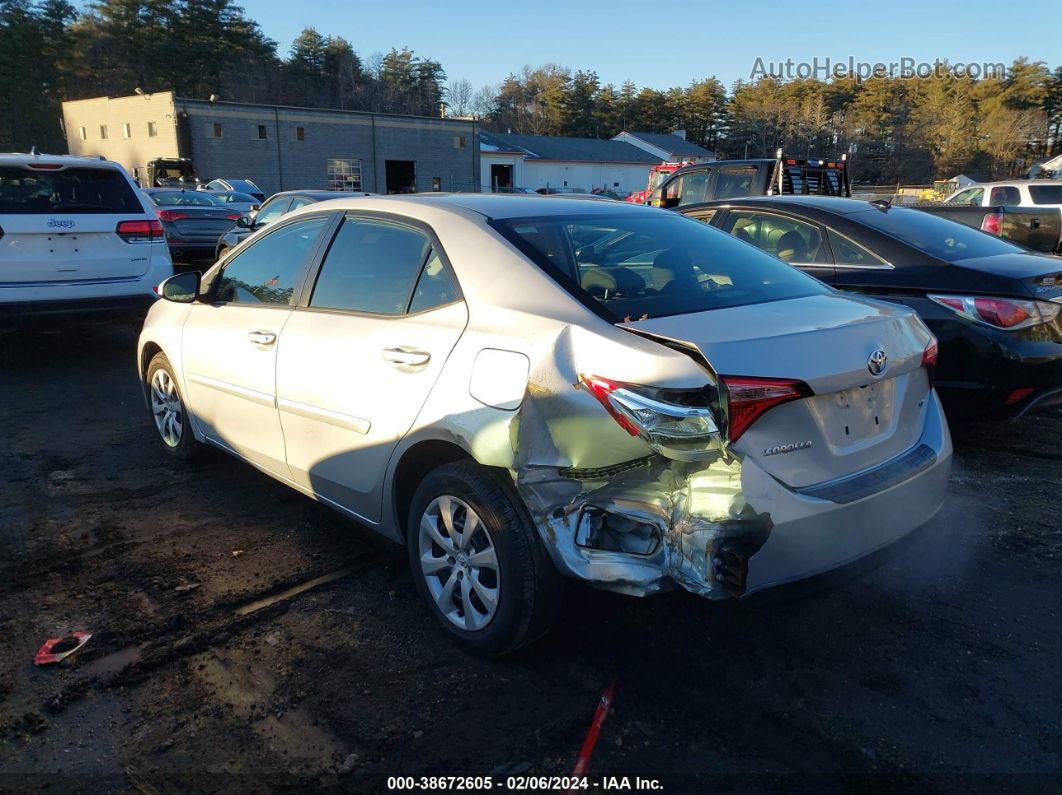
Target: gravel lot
x=942, y=663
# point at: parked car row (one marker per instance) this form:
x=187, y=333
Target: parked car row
x=541, y=387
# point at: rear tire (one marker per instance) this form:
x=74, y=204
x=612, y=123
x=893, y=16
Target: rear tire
x=485, y=609
x=168, y=413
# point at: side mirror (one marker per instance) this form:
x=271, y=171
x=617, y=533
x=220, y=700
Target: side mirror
x=181, y=288
x=245, y=222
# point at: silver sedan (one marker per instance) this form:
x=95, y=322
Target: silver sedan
x=524, y=389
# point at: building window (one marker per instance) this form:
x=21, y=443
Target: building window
x=103, y=132
x=263, y=133
x=81, y=131
x=300, y=133
x=344, y=173
x=459, y=142
x=219, y=130
x=152, y=129
x=127, y=131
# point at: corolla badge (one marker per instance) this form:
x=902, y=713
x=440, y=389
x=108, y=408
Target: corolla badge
x=787, y=448
x=878, y=362
x=60, y=223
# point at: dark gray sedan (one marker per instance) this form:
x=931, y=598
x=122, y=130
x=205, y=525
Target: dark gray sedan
x=193, y=221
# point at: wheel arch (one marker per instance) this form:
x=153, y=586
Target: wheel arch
x=413, y=466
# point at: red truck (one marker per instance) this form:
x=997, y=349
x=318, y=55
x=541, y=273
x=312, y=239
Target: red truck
x=657, y=174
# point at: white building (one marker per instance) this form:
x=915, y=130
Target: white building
x=669, y=147
x=538, y=162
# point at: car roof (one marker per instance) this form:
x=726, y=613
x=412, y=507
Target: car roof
x=496, y=205
x=20, y=158
x=830, y=204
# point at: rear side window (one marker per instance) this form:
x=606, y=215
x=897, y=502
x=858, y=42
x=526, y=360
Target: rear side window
x=1046, y=194
x=371, y=267
x=734, y=182
x=268, y=270
x=25, y=191
x=1005, y=194
x=845, y=252
x=638, y=265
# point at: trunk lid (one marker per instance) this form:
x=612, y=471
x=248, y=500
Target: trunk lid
x=855, y=419
x=203, y=223
x=70, y=247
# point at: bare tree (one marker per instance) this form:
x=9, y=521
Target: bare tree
x=459, y=96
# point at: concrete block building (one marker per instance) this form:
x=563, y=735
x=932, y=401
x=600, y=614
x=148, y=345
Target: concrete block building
x=280, y=148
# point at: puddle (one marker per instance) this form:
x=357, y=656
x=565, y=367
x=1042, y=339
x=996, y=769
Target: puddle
x=112, y=663
x=294, y=591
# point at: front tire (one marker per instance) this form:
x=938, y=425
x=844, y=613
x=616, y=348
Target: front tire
x=478, y=562
x=168, y=413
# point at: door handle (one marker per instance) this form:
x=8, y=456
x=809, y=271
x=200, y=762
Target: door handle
x=262, y=337
x=411, y=358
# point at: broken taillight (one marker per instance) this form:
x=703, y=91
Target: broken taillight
x=750, y=398
x=676, y=430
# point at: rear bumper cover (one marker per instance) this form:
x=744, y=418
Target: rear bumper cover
x=106, y=305
x=727, y=527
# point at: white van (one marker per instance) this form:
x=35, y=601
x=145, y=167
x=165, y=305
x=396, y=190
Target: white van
x=76, y=236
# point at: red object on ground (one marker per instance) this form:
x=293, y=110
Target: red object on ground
x=604, y=706
x=56, y=649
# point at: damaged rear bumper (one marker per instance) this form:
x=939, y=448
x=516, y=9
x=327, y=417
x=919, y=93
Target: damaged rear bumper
x=726, y=527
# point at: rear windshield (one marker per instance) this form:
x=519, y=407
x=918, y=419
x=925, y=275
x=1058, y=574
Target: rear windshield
x=180, y=198
x=25, y=191
x=1046, y=194
x=235, y=197
x=634, y=266
x=938, y=237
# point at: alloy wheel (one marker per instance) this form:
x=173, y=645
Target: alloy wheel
x=166, y=408
x=459, y=563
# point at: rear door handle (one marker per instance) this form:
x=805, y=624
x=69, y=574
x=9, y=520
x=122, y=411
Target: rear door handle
x=411, y=358
x=262, y=337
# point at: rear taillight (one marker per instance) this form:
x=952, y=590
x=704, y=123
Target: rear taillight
x=171, y=215
x=751, y=397
x=676, y=430
x=139, y=231
x=993, y=224
x=1003, y=313
x=233, y=217
x=929, y=359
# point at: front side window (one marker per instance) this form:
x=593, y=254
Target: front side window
x=694, y=186
x=271, y=211
x=371, y=267
x=786, y=238
x=971, y=196
x=268, y=270
x=638, y=265
x=344, y=173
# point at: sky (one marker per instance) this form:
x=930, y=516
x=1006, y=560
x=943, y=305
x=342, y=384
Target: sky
x=674, y=42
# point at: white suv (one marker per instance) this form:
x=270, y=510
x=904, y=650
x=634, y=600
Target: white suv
x=76, y=235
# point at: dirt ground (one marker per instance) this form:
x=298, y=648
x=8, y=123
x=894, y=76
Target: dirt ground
x=220, y=662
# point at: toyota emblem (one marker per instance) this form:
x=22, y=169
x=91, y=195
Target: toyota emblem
x=877, y=362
